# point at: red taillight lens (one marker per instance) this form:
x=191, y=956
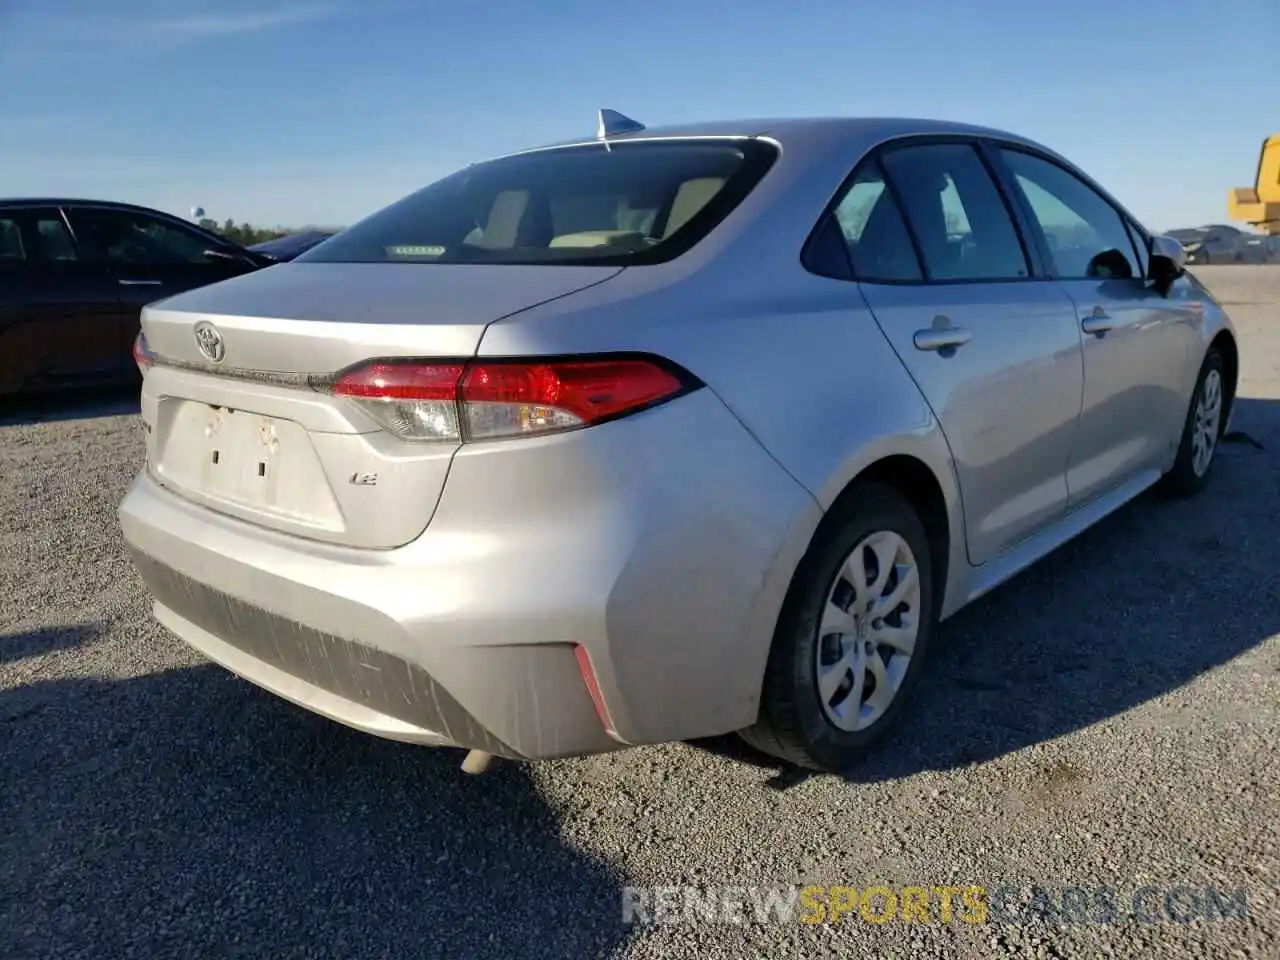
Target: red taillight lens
x=141, y=355
x=401, y=381
x=507, y=399
x=491, y=399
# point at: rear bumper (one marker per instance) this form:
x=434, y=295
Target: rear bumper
x=662, y=544
x=355, y=683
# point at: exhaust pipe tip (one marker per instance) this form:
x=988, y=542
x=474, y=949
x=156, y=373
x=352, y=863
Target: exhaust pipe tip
x=477, y=762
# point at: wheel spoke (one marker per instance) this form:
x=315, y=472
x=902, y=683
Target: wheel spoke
x=882, y=696
x=836, y=621
x=855, y=571
x=853, y=702
x=908, y=581
x=831, y=677
x=1212, y=390
x=885, y=547
x=901, y=638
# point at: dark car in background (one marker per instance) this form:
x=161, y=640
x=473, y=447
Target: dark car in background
x=1257, y=248
x=1220, y=243
x=285, y=248
x=74, y=276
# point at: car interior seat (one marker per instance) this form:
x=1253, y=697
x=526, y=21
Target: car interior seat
x=54, y=243
x=692, y=196
x=517, y=218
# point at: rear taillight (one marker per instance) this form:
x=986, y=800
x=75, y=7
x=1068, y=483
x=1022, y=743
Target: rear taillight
x=413, y=401
x=490, y=399
x=141, y=355
x=508, y=399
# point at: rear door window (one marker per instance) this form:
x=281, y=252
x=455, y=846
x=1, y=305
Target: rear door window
x=54, y=239
x=956, y=212
x=35, y=235
x=630, y=204
x=136, y=239
x=874, y=232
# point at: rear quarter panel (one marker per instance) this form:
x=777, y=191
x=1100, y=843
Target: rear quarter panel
x=797, y=358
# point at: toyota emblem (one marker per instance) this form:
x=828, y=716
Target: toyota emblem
x=209, y=340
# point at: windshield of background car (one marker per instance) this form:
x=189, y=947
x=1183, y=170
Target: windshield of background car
x=630, y=204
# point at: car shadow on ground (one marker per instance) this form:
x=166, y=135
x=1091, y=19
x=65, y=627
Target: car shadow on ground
x=35, y=643
x=187, y=814
x=1144, y=603
x=71, y=404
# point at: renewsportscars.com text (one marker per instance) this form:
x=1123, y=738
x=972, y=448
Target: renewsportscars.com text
x=937, y=904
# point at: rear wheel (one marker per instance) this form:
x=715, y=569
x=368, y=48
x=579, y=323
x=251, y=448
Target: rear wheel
x=1201, y=432
x=852, y=636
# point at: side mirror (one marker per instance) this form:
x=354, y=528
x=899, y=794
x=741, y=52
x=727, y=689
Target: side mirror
x=1168, y=262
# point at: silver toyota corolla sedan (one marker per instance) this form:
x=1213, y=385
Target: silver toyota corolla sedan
x=664, y=434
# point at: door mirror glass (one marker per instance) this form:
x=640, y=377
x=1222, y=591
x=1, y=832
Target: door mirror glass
x=1170, y=250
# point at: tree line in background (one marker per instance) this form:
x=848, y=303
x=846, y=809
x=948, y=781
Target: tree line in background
x=246, y=234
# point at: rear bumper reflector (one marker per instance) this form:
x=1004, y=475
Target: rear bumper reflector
x=593, y=689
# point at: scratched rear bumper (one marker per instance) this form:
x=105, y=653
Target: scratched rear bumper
x=330, y=646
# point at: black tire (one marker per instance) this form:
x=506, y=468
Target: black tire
x=792, y=725
x=1182, y=480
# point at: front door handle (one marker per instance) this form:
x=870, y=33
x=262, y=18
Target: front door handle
x=141, y=283
x=940, y=338
x=1097, y=323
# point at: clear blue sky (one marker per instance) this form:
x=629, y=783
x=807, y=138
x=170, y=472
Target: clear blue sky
x=276, y=111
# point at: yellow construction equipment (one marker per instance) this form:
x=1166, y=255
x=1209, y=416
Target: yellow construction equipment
x=1259, y=205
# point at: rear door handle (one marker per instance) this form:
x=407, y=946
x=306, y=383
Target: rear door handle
x=141, y=283
x=940, y=338
x=1098, y=323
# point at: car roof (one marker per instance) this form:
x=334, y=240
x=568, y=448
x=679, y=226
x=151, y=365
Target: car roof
x=797, y=130
x=78, y=202
x=9, y=202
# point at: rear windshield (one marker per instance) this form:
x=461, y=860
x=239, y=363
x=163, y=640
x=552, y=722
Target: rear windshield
x=632, y=203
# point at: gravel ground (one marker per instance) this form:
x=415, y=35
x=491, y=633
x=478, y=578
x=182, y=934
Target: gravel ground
x=1107, y=720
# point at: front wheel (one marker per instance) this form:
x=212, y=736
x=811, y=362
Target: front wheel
x=1201, y=431
x=852, y=636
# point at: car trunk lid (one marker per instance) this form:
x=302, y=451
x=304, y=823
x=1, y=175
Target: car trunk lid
x=238, y=425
